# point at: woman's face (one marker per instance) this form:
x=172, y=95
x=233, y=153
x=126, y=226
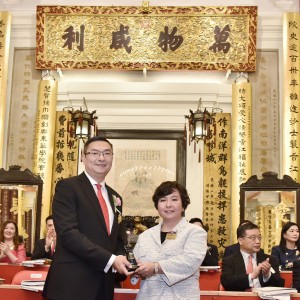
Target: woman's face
x=9, y=231
x=170, y=207
x=292, y=234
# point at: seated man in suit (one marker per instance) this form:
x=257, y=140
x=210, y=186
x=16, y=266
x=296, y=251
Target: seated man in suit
x=212, y=255
x=250, y=267
x=44, y=248
x=234, y=248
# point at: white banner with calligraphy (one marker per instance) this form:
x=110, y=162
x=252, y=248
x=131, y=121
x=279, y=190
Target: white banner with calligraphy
x=265, y=120
x=241, y=168
x=291, y=96
x=5, y=28
x=23, y=108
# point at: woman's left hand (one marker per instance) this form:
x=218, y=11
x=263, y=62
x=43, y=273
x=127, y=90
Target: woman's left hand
x=145, y=269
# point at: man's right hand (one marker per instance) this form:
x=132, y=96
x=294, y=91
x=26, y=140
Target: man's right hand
x=49, y=239
x=256, y=272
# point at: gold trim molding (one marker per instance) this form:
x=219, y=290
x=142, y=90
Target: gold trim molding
x=164, y=38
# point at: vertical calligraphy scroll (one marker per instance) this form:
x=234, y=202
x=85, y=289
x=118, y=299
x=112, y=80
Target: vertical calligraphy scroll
x=23, y=107
x=291, y=94
x=265, y=121
x=217, y=183
x=5, y=27
x=241, y=145
x=44, y=141
x=65, y=150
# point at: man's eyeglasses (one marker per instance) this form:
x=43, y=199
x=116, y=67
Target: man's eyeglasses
x=96, y=154
x=254, y=237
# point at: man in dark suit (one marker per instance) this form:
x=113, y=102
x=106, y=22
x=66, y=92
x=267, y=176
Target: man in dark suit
x=212, y=254
x=88, y=234
x=45, y=248
x=250, y=267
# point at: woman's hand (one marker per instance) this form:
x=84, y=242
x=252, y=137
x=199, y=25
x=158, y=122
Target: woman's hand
x=145, y=269
x=4, y=248
x=289, y=265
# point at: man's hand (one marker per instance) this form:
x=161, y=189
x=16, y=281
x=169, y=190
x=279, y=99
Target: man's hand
x=255, y=272
x=49, y=237
x=266, y=268
x=120, y=265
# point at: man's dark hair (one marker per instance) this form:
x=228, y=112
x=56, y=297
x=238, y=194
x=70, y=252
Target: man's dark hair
x=194, y=220
x=244, y=222
x=94, y=139
x=241, y=223
x=241, y=231
x=50, y=217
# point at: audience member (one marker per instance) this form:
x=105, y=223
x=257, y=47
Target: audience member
x=234, y=248
x=88, y=225
x=250, y=267
x=45, y=248
x=212, y=255
x=287, y=252
x=12, y=251
x=169, y=254
x=296, y=275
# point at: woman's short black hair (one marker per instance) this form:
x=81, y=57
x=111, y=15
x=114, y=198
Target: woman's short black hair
x=167, y=188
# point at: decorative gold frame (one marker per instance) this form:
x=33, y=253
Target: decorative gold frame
x=161, y=38
x=21, y=201
x=270, y=202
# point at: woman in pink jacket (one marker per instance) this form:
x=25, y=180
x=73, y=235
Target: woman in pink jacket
x=11, y=250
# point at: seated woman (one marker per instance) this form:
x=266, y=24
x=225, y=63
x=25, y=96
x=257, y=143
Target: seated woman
x=212, y=255
x=11, y=250
x=288, y=249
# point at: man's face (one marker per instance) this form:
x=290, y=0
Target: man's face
x=251, y=242
x=98, y=159
x=50, y=225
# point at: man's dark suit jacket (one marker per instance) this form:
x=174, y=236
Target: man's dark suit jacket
x=211, y=257
x=234, y=277
x=83, y=245
x=231, y=249
x=39, y=250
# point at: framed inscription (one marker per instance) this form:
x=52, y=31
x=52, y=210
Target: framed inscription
x=163, y=38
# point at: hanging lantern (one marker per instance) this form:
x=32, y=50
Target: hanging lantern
x=201, y=124
x=83, y=123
